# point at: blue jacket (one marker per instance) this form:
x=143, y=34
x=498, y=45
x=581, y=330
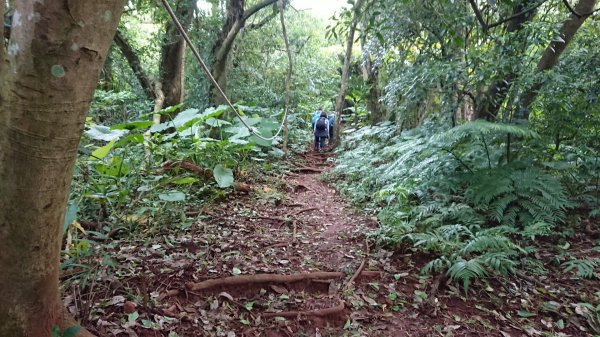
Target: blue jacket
x=321, y=133
x=315, y=116
x=331, y=120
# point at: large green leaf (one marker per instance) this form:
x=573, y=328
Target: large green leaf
x=70, y=215
x=172, y=196
x=135, y=125
x=223, y=176
x=101, y=152
x=101, y=132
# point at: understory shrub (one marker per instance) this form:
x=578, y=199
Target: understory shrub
x=476, y=196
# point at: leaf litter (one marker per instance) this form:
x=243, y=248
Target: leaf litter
x=295, y=225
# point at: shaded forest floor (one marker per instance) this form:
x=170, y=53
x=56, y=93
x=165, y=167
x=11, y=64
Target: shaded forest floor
x=341, y=283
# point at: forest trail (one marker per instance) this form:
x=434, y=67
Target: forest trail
x=283, y=255
x=305, y=245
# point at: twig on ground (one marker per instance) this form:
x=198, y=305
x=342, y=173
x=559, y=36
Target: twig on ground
x=308, y=209
x=360, y=268
x=307, y=169
x=260, y=278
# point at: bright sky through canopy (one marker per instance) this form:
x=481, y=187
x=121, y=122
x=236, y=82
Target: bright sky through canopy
x=320, y=8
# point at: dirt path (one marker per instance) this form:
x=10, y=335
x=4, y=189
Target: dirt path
x=277, y=262
x=293, y=225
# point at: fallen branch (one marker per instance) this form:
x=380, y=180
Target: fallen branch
x=307, y=169
x=260, y=278
x=277, y=245
x=360, y=268
x=169, y=293
x=355, y=276
x=304, y=210
x=316, y=313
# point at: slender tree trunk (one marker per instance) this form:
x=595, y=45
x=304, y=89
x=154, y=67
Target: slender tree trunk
x=235, y=21
x=172, y=58
x=371, y=77
x=288, y=78
x=490, y=102
x=555, y=49
x=46, y=86
x=136, y=65
x=346, y=72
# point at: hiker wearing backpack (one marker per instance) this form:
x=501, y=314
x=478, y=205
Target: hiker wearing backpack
x=321, y=131
x=331, y=119
x=316, y=116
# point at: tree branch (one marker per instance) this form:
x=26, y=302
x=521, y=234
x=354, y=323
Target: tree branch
x=261, y=22
x=525, y=11
x=574, y=12
x=478, y=15
x=254, y=9
x=135, y=64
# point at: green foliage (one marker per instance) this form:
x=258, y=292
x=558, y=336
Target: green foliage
x=68, y=332
x=585, y=267
x=461, y=194
x=128, y=173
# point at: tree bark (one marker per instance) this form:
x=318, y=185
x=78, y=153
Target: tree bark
x=345, y=72
x=235, y=21
x=491, y=101
x=371, y=77
x=555, y=49
x=172, y=58
x=46, y=86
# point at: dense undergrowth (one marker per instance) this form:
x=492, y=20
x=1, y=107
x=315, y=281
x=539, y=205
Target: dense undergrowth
x=136, y=177
x=479, y=198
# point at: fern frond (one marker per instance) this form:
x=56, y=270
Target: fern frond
x=465, y=270
x=585, y=267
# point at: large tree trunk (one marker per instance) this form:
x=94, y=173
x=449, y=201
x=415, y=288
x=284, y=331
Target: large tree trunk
x=555, y=49
x=491, y=101
x=47, y=82
x=234, y=22
x=346, y=71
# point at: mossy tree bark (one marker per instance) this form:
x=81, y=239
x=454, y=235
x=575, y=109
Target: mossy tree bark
x=48, y=76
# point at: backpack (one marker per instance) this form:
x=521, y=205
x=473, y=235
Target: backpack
x=322, y=123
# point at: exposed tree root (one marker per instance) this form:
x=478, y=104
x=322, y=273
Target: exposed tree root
x=315, y=313
x=260, y=278
x=67, y=321
x=308, y=209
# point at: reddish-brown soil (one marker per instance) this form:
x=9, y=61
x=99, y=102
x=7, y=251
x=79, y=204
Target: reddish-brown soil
x=287, y=225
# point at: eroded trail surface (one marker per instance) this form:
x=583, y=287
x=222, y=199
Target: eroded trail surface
x=287, y=258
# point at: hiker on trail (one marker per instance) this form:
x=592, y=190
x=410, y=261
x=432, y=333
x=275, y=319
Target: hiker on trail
x=331, y=119
x=321, y=131
x=316, y=116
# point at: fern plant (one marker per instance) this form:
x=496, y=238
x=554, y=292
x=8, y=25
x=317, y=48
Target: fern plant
x=526, y=198
x=461, y=194
x=465, y=254
x=585, y=267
